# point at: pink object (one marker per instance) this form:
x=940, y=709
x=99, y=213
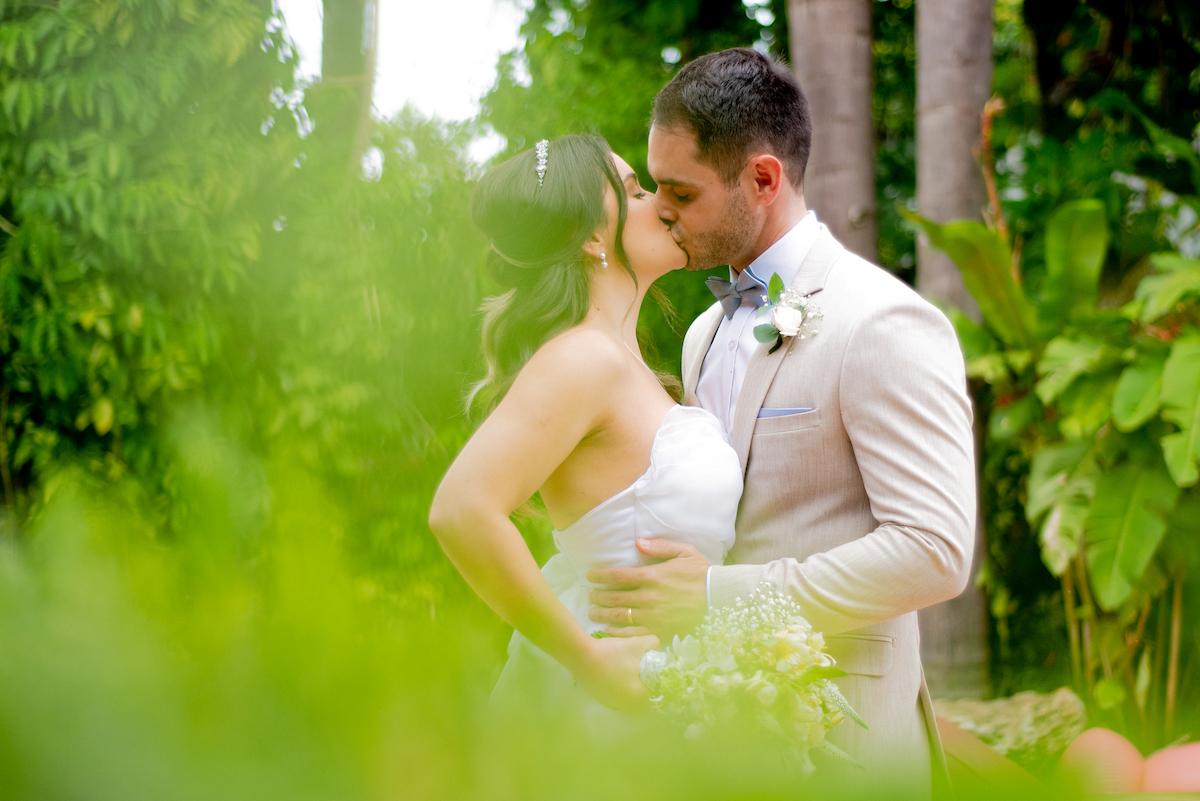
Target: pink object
x=1173, y=770
x=1106, y=761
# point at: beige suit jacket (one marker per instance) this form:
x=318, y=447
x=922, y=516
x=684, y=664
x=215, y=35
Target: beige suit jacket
x=863, y=509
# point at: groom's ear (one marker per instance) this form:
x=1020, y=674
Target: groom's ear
x=766, y=172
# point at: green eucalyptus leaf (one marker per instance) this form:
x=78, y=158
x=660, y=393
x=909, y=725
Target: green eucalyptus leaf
x=774, y=288
x=1125, y=526
x=766, y=332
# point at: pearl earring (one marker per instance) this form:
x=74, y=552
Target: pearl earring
x=603, y=260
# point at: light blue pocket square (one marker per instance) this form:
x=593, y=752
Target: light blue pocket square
x=784, y=411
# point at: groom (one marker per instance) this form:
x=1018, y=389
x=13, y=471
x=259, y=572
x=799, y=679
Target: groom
x=856, y=442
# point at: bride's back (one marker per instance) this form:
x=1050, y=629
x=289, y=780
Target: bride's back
x=616, y=449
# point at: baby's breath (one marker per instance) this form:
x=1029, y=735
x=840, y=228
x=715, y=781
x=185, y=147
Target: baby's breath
x=756, y=662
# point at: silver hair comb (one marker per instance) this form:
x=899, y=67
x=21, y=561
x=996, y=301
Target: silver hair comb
x=542, y=151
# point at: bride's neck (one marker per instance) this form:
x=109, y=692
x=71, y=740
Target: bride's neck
x=616, y=303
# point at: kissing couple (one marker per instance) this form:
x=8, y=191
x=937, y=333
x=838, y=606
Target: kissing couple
x=822, y=446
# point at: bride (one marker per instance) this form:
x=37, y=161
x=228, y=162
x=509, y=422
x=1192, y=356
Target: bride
x=576, y=416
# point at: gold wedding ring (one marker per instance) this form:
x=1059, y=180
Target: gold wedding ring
x=629, y=615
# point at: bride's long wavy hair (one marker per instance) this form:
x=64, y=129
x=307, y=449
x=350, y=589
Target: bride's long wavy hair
x=537, y=232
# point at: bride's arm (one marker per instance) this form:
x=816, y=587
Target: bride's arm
x=560, y=396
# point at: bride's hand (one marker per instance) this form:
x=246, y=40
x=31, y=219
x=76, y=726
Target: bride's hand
x=612, y=672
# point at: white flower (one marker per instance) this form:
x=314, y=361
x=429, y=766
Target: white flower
x=787, y=320
x=790, y=314
x=790, y=297
x=688, y=651
x=653, y=664
x=743, y=664
x=718, y=684
x=726, y=662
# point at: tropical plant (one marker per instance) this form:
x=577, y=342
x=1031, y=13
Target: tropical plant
x=1104, y=401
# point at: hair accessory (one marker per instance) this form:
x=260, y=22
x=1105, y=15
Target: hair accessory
x=542, y=151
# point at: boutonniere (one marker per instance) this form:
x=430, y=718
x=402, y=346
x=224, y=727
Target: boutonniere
x=791, y=315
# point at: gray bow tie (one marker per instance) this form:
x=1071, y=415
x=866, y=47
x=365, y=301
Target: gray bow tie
x=747, y=289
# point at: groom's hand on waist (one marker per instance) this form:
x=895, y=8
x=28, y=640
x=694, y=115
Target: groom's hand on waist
x=666, y=598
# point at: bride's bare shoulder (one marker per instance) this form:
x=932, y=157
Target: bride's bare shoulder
x=586, y=359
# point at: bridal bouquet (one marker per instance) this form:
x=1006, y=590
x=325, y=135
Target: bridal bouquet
x=756, y=664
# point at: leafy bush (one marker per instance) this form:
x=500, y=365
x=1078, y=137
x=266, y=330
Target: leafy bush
x=1104, y=402
x=176, y=244
x=134, y=175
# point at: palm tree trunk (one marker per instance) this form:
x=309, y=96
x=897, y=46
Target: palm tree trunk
x=954, y=76
x=341, y=102
x=954, y=79
x=831, y=54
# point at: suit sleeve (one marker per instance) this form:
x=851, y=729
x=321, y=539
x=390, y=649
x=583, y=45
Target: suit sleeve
x=905, y=408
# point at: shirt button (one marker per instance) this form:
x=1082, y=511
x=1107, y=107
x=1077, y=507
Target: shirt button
x=732, y=345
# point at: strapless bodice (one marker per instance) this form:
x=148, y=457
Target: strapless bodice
x=689, y=493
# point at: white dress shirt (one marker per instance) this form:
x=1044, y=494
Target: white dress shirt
x=725, y=364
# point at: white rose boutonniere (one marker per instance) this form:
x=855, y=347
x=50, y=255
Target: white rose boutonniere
x=791, y=314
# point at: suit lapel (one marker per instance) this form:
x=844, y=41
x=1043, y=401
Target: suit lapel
x=759, y=374
x=709, y=323
x=763, y=366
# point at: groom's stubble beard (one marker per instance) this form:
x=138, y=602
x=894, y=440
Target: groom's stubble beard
x=720, y=246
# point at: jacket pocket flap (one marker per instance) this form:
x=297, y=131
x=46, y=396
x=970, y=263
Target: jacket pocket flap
x=789, y=422
x=862, y=654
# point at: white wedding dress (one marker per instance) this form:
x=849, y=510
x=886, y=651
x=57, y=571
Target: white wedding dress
x=688, y=494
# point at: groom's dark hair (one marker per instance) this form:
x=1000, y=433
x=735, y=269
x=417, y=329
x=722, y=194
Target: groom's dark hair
x=734, y=101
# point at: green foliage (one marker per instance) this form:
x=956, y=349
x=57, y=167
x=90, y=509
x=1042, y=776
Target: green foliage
x=986, y=263
x=893, y=114
x=1076, y=243
x=1181, y=406
x=1124, y=527
x=775, y=288
x=131, y=156
x=1148, y=53
x=274, y=669
x=233, y=374
x=175, y=244
x=1104, y=404
x=1160, y=293
x=597, y=66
